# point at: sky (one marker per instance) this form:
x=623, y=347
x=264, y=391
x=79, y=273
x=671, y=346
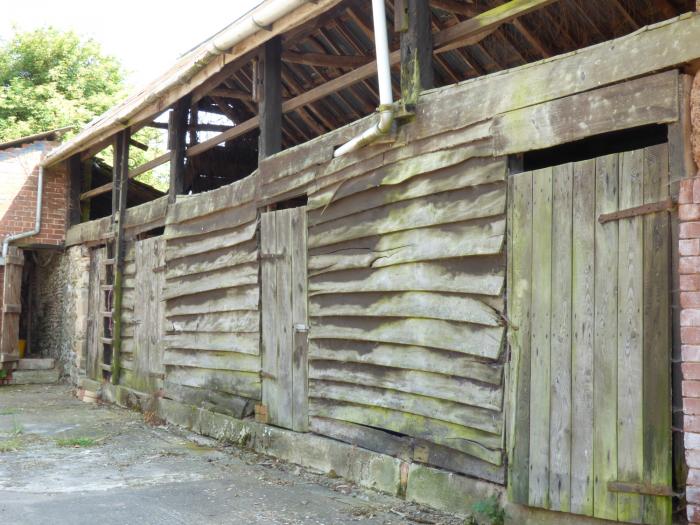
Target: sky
x=147, y=36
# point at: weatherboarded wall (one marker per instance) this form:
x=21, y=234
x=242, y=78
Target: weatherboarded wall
x=212, y=293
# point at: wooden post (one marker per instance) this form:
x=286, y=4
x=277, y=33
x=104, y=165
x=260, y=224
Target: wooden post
x=119, y=203
x=270, y=106
x=75, y=184
x=416, y=51
x=86, y=185
x=177, y=133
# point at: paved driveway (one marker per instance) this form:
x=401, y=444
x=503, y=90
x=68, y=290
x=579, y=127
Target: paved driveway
x=66, y=462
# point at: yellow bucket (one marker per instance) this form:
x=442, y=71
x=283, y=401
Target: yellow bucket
x=22, y=345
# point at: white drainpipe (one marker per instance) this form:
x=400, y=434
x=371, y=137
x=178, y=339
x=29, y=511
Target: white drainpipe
x=37, y=221
x=386, y=99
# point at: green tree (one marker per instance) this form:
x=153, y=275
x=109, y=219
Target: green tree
x=50, y=79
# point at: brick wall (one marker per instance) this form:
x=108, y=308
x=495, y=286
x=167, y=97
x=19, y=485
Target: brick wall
x=19, y=175
x=689, y=269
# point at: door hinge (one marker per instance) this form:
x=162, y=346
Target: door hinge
x=644, y=209
x=301, y=328
x=266, y=256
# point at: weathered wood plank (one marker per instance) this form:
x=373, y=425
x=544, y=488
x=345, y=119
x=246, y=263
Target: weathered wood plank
x=657, y=338
x=214, y=241
x=270, y=313
x=456, y=166
x=241, y=275
x=630, y=428
x=471, y=417
x=540, y=385
x=428, y=305
x=519, y=337
x=238, y=322
x=455, y=389
x=648, y=100
x=453, y=436
x=299, y=307
x=216, y=301
x=247, y=343
x=225, y=219
x=605, y=349
x=478, y=276
x=284, y=326
x=245, y=384
x=583, y=329
x=212, y=360
x=444, y=241
x=213, y=260
x=452, y=206
x=560, y=340
x=406, y=357
x=470, y=339
x=213, y=400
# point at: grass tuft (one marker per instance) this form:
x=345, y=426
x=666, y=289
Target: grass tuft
x=79, y=442
x=10, y=445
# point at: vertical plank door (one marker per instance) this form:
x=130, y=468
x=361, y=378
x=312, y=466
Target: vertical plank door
x=95, y=324
x=149, y=313
x=284, y=318
x=11, y=305
x=589, y=299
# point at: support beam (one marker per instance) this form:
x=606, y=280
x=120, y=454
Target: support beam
x=237, y=94
x=270, y=106
x=75, y=184
x=177, y=136
x=454, y=6
x=86, y=204
x=416, y=51
x=475, y=29
x=323, y=60
x=119, y=203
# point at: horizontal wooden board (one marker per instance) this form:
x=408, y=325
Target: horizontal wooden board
x=223, y=300
x=405, y=357
x=201, y=204
x=212, y=360
x=241, y=275
x=647, y=100
x=453, y=436
x=449, y=388
x=238, y=322
x=221, y=402
x=452, y=206
x=247, y=343
x=445, y=241
x=245, y=252
x=225, y=219
x=380, y=187
x=245, y=384
x=486, y=421
x=481, y=275
x=210, y=242
x=465, y=338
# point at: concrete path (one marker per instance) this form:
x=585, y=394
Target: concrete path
x=66, y=462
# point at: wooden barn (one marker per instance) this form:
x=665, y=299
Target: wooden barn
x=448, y=249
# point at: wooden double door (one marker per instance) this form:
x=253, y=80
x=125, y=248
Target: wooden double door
x=590, y=334
x=284, y=318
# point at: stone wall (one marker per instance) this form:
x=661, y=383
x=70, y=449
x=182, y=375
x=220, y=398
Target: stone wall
x=59, y=320
x=689, y=269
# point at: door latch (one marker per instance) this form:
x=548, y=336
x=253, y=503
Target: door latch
x=301, y=328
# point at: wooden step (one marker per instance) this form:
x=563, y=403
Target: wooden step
x=109, y=262
x=107, y=314
x=36, y=364
x=106, y=340
x=106, y=368
x=35, y=377
x=107, y=287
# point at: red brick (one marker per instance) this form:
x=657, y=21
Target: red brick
x=693, y=513
x=689, y=212
x=692, y=457
x=690, y=300
x=696, y=189
x=690, y=353
x=691, y=388
x=690, y=282
x=690, y=317
x=691, y=370
x=689, y=265
x=694, y=476
x=691, y=406
x=689, y=246
x=685, y=195
x=689, y=230
x=690, y=335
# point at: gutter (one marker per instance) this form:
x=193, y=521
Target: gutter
x=386, y=101
x=37, y=220
x=261, y=18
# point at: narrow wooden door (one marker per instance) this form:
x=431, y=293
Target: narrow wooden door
x=11, y=305
x=149, y=313
x=95, y=324
x=284, y=318
x=589, y=303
